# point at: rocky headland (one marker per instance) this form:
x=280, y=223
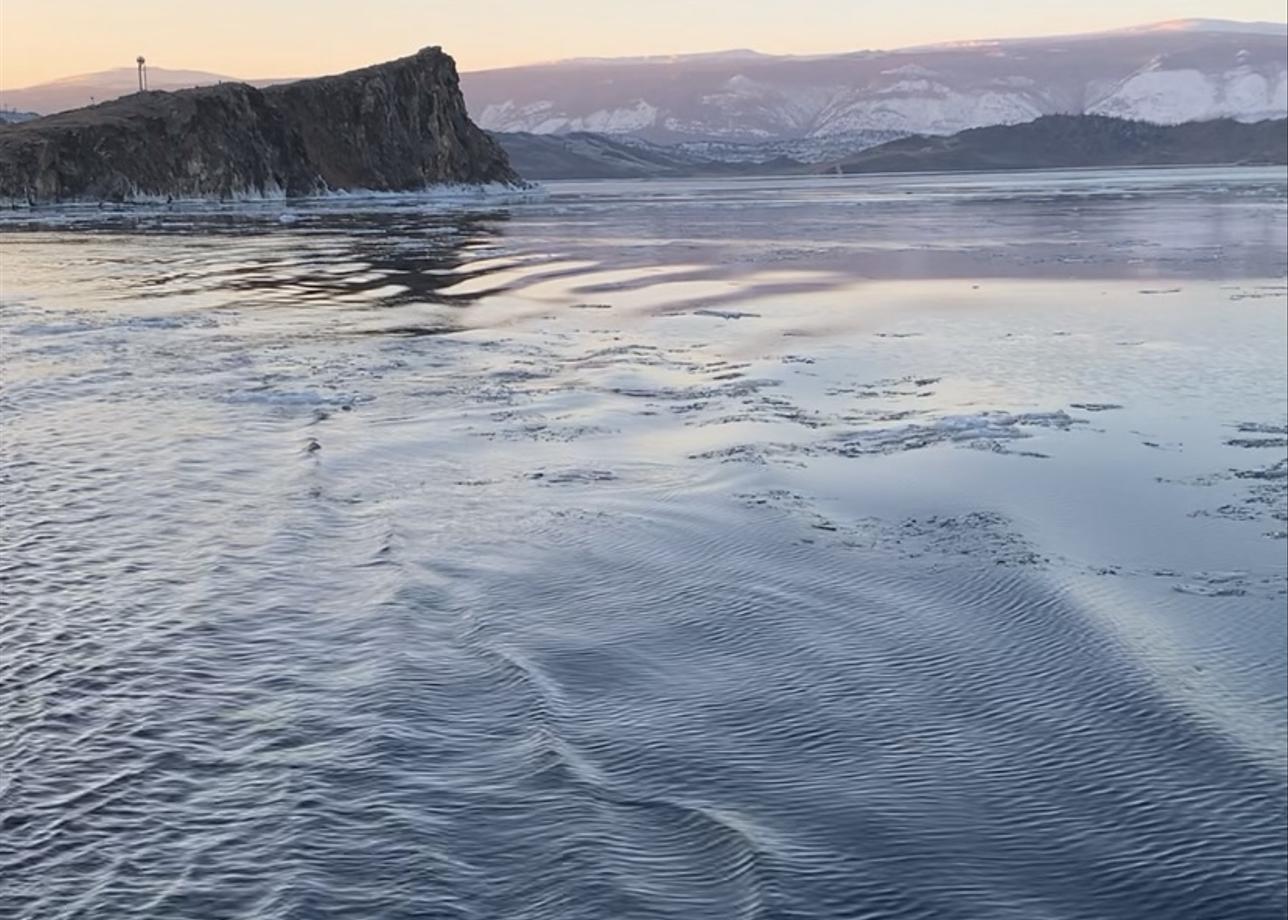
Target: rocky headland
x=398, y=126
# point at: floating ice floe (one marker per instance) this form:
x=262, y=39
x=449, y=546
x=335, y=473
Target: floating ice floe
x=984, y=429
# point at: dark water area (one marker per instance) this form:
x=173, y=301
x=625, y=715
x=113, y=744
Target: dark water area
x=863, y=548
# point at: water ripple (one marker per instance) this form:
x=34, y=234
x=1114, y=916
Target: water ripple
x=387, y=563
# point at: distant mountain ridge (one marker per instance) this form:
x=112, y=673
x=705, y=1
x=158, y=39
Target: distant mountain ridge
x=80, y=90
x=1076, y=141
x=582, y=155
x=1052, y=141
x=1212, y=25
x=1167, y=73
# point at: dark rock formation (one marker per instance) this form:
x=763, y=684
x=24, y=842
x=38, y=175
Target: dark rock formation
x=399, y=126
x=1068, y=141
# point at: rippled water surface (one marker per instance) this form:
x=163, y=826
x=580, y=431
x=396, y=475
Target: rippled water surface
x=876, y=548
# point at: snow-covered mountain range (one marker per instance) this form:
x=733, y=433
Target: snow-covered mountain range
x=1167, y=73
x=746, y=106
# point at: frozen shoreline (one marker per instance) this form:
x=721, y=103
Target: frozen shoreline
x=447, y=194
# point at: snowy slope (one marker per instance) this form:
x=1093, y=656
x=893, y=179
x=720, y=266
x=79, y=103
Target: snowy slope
x=1167, y=72
x=1173, y=95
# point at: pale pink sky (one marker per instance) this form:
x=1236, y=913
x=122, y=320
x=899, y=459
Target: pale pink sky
x=45, y=39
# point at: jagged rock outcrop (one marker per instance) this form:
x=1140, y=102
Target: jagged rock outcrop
x=399, y=126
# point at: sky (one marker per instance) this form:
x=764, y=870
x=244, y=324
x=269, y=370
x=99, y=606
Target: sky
x=42, y=40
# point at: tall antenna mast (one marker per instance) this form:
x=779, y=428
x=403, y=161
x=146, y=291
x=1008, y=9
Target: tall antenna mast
x=143, y=74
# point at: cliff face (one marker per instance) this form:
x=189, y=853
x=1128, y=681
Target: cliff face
x=399, y=126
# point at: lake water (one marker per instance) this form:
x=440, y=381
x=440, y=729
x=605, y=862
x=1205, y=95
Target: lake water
x=849, y=548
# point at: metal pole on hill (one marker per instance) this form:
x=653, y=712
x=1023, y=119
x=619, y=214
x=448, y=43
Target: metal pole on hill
x=142, y=74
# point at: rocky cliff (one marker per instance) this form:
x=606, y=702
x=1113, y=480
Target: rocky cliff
x=399, y=126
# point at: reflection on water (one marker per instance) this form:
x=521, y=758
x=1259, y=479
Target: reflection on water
x=878, y=547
